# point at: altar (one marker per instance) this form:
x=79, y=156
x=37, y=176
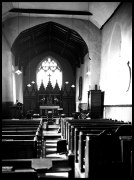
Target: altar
x=44, y=110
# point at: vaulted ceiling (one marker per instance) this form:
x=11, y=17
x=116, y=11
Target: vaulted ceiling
x=50, y=37
x=54, y=37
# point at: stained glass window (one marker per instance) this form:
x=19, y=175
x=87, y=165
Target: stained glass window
x=49, y=70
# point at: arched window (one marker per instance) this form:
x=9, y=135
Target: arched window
x=49, y=70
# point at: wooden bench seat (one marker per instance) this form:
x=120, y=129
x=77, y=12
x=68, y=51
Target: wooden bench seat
x=73, y=134
x=40, y=166
x=13, y=149
x=19, y=137
x=98, y=150
x=24, y=137
x=19, y=128
x=21, y=132
x=65, y=121
x=81, y=147
x=21, y=168
x=103, y=155
x=92, y=124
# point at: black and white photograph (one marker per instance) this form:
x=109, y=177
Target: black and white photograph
x=66, y=90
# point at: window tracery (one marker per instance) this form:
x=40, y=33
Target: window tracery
x=49, y=71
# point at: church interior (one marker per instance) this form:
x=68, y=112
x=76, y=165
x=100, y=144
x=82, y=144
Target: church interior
x=67, y=90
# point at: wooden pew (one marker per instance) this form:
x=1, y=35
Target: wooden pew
x=75, y=135
x=18, y=137
x=90, y=130
x=81, y=148
x=98, y=156
x=18, y=168
x=62, y=165
x=101, y=157
x=85, y=130
x=19, y=128
x=8, y=123
x=121, y=154
x=24, y=136
x=82, y=143
x=87, y=122
x=76, y=139
x=21, y=132
x=23, y=148
x=65, y=121
x=37, y=167
x=90, y=126
x=21, y=121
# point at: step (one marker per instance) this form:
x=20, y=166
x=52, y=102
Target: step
x=56, y=175
x=51, y=150
x=53, y=126
x=56, y=155
x=51, y=136
x=50, y=145
x=52, y=141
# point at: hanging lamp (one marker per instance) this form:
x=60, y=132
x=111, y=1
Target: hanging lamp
x=88, y=32
x=29, y=85
x=88, y=71
x=18, y=71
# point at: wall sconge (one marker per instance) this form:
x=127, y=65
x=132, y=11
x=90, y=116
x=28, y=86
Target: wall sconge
x=29, y=85
x=66, y=82
x=88, y=73
x=18, y=72
x=73, y=86
x=33, y=82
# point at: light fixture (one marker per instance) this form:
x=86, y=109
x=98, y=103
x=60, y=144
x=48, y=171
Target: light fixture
x=88, y=33
x=18, y=71
x=88, y=73
x=73, y=86
x=33, y=82
x=29, y=85
x=66, y=82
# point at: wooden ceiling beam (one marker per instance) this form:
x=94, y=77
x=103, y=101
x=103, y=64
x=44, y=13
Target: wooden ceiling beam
x=50, y=11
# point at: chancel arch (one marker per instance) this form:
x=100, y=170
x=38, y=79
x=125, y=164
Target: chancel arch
x=61, y=46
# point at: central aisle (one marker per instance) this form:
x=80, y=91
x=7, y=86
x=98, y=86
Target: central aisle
x=51, y=136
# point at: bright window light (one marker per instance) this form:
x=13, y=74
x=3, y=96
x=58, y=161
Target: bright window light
x=49, y=71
